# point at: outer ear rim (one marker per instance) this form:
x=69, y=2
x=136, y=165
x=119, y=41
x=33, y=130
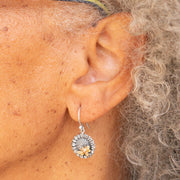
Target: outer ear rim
x=100, y=26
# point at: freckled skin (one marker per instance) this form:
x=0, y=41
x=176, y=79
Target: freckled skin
x=31, y=87
x=33, y=76
x=38, y=62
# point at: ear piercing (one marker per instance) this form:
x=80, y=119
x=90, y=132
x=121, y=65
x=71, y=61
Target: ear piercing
x=82, y=144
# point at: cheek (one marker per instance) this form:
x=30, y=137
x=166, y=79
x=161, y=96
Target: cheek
x=32, y=107
x=32, y=90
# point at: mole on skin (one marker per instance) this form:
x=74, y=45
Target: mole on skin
x=5, y=29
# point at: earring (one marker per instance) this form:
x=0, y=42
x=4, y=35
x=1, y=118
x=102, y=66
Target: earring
x=82, y=144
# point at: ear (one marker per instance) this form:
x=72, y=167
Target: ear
x=112, y=53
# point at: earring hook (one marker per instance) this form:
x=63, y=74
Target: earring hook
x=81, y=127
x=79, y=115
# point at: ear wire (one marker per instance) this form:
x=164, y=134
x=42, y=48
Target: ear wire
x=79, y=118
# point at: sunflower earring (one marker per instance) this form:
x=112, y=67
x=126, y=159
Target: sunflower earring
x=82, y=144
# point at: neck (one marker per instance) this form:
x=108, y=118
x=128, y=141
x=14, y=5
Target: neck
x=58, y=161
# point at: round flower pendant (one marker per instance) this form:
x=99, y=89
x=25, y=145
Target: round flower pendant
x=83, y=146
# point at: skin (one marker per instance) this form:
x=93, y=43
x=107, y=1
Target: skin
x=46, y=73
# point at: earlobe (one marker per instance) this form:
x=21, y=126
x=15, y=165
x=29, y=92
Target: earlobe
x=108, y=79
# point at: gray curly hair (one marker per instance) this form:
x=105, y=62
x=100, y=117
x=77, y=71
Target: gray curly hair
x=151, y=140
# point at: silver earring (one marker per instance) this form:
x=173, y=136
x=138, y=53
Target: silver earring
x=82, y=144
